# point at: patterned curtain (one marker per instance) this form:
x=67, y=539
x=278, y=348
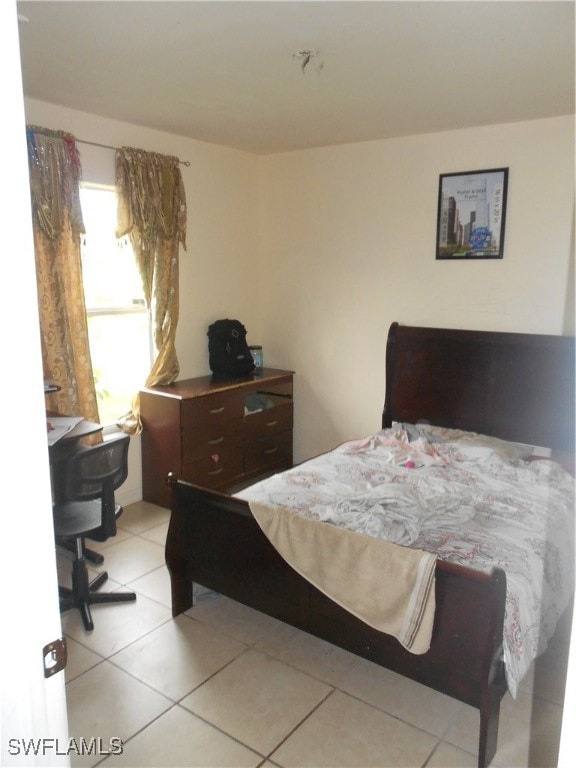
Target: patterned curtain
x=152, y=213
x=55, y=174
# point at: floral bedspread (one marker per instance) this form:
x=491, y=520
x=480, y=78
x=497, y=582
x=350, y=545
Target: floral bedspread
x=470, y=499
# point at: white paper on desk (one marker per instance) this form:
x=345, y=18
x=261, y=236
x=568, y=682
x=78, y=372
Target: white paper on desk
x=61, y=425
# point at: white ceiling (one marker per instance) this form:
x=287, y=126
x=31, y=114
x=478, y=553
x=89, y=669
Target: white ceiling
x=225, y=72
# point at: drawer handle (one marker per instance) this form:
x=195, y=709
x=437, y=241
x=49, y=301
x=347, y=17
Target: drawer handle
x=215, y=471
x=272, y=423
x=216, y=441
x=271, y=450
x=217, y=410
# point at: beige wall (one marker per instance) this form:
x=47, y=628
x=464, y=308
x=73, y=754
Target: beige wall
x=318, y=251
x=347, y=247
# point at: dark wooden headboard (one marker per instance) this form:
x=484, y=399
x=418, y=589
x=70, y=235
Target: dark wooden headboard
x=515, y=386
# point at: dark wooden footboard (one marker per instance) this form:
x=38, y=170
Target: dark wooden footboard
x=213, y=540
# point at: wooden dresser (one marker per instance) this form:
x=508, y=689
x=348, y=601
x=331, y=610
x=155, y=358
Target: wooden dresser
x=217, y=433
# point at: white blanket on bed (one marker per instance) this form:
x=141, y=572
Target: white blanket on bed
x=391, y=589
x=464, y=498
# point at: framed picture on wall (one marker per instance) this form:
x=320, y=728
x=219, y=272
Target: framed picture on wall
x=472, y=214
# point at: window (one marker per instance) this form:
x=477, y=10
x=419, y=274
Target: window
x=118, y=320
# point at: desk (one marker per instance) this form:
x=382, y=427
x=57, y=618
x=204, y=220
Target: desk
x=83, y=429
x=68, y=427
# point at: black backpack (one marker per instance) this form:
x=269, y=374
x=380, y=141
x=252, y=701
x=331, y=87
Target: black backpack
x=228, y=352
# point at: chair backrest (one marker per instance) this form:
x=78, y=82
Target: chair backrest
x=95, y=472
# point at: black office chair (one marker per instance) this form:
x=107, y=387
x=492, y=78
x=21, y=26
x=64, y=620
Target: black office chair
x=92, y=475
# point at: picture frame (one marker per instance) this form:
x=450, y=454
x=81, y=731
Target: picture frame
x=472, y=215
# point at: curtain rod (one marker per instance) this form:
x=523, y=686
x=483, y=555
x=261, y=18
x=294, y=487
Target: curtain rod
x=107, y=146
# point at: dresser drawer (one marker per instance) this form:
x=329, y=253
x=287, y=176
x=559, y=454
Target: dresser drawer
x=208, y=439
x=212, y=409
x=269, y=421
x=216, y=469
x=267, y=451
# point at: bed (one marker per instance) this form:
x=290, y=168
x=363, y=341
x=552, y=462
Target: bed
x=517, y=388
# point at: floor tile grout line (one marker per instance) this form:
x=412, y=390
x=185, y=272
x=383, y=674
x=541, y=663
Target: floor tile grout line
x=221, y=730
x=379, y=708
x=116, y=665
x=140, y=730
x=432, y=753
x=109, y=656
x=211, y=676
x=299, y=724
x=176, y=702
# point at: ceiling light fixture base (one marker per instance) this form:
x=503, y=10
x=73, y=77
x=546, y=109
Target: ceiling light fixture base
x=305, y=56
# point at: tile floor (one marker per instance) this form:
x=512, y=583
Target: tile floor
x=225, y=686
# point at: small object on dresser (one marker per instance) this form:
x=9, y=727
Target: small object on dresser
x=257, y=355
